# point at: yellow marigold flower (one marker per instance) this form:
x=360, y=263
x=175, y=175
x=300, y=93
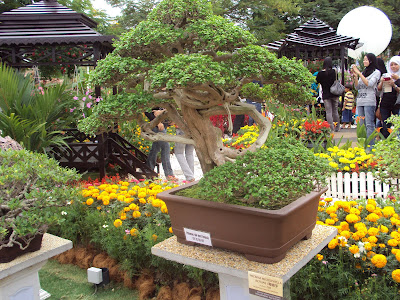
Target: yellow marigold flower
x=360, y=226
x=320, y=256
x=113, y=195
x=142, y=200
x=90, y=187
x=136, y=214
x=372, y=217
x=379, y=260
x=383, y=228
x=382, y=246
x=142, y=195
x=106, y=202
x=134, y=232
x=398, y=256
x=328, y=199
x=344, y=225
x=123, y=188
x=372, y=239
x=388, y=211
x=329, y=222
x=170, y=230
x=154, y=237
x=352, y=218
x=132, y=192
x=346, y=234
x=354, y=249
x=395, y=251
x=370, y=207
x=98, y=207
x=117, y=223
x=89, y=201
x=373, y=231
x=95, y=195
x=368, y=246
x=371, y=201
x=333, y=165
x=147, y=214
x=126, y=208
x=332, y=244
x=330, y=210
x=354, y=210
x=164, y=209
x=123, y=217
x=396, y=275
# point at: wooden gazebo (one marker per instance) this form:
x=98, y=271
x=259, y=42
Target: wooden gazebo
x=47, y=33
x=315, y=40
x=52, y=28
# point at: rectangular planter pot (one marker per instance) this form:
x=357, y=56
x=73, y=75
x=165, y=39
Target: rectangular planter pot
x=261, y=235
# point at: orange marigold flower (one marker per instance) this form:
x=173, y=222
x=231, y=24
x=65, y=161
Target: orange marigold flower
x=379, y=260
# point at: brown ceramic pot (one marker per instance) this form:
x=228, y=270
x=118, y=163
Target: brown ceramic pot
x=261, y=235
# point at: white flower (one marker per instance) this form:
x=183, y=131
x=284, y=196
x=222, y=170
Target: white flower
x=357, y=255
x=105, y=226
x=64, y=213
x=361, y=247
x=69, y=203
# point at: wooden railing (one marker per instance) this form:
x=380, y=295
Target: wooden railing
x=93, y=153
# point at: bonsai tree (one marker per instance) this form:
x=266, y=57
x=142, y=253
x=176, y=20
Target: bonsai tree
x=195, y=65
x=31, y=187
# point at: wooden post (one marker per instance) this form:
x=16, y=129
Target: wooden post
x=102, y=153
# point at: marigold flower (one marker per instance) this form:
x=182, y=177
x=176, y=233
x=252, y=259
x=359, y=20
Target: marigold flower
x=106, y=202
x=117, y=223
x=396, y=275
x=329, y=221
x=142, y=195
x=372, y=239
x=373, y=231
x=370, y=207
x=330, y=210
x=388, y=211
x=352, y=218
x=332, y=244
x=379, y=260
x=372, y=217
x=89, y=201
x=383, y=228
x=134, y=232
x=170, y=230
x=164, y=209
x=346, y=234
x=136, y=214
x=354, y=249
x=154, y=237
x=320, y=257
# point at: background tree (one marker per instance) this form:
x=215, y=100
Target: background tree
x=195, y=65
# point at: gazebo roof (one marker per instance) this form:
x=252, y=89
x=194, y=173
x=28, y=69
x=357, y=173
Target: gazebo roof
x=48, y=22
x=314, y=35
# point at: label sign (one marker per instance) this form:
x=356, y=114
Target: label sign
x=265, y=286
x=198, y=237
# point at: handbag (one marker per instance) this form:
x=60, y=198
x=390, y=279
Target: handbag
x=337, y=88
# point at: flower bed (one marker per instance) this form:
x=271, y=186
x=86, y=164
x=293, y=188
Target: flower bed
x=362, y=260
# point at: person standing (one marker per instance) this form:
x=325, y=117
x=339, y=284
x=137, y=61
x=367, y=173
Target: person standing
x=347, y=115
x=160, y=146
x=366, y=83
x=326, y=78
x=389, y=85
x=185, y=157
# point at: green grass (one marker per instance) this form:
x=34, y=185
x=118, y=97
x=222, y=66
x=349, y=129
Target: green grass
x=70, y=282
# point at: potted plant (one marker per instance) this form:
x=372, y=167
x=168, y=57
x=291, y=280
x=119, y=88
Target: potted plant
x=32, y=189
x=195, y=65
x=260, y=205
x=315, y=133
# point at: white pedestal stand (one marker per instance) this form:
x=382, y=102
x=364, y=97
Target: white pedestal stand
x=19, y=279
x=233, y=267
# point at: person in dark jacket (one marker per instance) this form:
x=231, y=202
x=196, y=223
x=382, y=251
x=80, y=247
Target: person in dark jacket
x=326, y=78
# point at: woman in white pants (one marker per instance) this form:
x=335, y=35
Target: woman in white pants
x=184, y=155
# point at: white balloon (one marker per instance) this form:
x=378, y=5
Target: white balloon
x=369, y=24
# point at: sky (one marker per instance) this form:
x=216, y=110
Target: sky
x=103, y=5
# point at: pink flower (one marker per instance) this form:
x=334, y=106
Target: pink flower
x=89, y=104
x=72, y=109
x=76, y=98
x=84, y=99
x=90, y=97
x=98, y=99
x=127, y=231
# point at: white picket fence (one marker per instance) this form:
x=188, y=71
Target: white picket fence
x=356, y=186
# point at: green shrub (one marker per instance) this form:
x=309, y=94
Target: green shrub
x=270, y=178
